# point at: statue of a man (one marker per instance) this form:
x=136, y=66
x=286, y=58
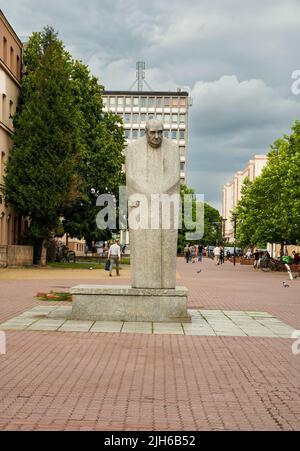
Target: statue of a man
x=153, y=170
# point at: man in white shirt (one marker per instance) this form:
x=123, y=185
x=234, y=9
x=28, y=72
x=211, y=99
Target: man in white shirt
x=114, y=255
x=217, y=253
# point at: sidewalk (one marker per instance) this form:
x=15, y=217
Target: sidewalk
x=111, y=381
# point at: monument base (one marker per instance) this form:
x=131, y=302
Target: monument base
x=124, y=303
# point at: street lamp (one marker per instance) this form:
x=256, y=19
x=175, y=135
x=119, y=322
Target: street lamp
x=224, y=227
x=234, y=215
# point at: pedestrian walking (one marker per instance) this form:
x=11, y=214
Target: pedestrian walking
x=217, y=253
x=187, y=253
x=114, y=255
x=221, y=255
x=200, y=252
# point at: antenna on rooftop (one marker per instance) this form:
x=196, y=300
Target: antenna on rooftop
x=140, y=77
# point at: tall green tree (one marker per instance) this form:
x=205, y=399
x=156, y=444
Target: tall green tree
x=41, y=169
x=212, y=221
x=99, y=168
x=269, y=210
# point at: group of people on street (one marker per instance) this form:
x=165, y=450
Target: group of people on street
x=193, y=253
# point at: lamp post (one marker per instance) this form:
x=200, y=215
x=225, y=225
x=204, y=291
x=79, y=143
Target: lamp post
x=224, y=228
x=234, y=236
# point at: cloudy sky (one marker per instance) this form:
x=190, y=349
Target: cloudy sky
x=236, y=58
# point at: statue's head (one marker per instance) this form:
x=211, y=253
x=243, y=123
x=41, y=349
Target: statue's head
x=154, y=133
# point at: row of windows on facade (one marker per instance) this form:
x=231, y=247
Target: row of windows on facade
x=142, y=118
x=135, y=134
x=14, y=61
x=144, y=102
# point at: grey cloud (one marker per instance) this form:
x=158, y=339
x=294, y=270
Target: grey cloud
x=236, y=57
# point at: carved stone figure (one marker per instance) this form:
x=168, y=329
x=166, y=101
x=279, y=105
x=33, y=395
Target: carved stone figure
x=153, y=170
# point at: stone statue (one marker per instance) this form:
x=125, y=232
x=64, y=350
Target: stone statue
x=153, y=175
x=153, y=169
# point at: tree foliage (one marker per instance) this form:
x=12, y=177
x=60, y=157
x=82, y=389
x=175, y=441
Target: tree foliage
x=66, y=150
x=99, y=168
x=40, y=170
x=269, y=210
x=212, y=232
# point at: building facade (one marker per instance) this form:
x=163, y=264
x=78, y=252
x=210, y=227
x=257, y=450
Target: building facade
x=136, y=107
x=10, y=78
x=232, y=191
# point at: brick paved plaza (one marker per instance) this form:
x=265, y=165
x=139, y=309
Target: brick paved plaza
x=132, y=380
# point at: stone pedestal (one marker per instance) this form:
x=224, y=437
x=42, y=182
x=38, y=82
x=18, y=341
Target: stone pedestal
x=124, y=303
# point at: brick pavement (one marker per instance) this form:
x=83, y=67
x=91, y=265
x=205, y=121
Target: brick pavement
x=51, y=381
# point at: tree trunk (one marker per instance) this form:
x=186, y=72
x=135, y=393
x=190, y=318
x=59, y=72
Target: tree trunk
x=281, y=250
x=37, y=251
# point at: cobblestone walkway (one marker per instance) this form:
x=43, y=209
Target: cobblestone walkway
x=204, y=323
x=156, y=381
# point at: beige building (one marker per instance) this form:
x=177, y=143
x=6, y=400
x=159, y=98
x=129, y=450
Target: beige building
x=136, y=107
x=10, y=77
x=232, y=190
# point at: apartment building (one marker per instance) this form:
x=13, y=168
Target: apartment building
x=136, y=107
x=10, y=77
x=232, y=190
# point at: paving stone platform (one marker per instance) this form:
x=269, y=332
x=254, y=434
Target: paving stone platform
x=204, y=323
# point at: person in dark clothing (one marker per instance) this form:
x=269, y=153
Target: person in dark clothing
x=200, y=252
x=256, y=259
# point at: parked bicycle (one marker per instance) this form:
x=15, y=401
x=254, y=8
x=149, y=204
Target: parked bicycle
x=271, y=264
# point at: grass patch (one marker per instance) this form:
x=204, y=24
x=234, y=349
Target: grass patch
x=54, y=296
x=88, y=264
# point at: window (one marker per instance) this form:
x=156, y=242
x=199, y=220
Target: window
x=143, y=117
x=104, y=101
x=182, y=101
x=3, y=108
x=127, y=118
x=159, y=102
x=11, y=62
x=135, y=134
x=112, y=102
x=151, y=102
x=182, y=118
x=166, y=133
x=142, y=133
x=166, y=118
x=18, y=66
x=150, y=116
x=174, y=134
x=143, y=102
x=128, y=101
x=11, y=106
x=159, y=117
x=127, y=134
x=174, y=118
x=135, y=101
x=182, y=135
x=182, y=151
x=182, y=167
x=175, y=101
x=5, y=50
x=135, y=119
x=167, y=101
x=120, y=102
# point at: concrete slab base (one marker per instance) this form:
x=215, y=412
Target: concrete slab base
x=124, y=303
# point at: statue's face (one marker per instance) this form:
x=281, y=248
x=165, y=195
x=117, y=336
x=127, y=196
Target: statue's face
x=154, y=135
